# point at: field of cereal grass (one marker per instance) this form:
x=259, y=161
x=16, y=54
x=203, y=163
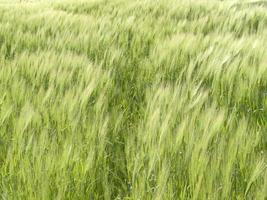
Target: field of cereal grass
x=133, y=99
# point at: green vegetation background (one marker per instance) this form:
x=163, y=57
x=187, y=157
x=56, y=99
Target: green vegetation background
x=133, y=99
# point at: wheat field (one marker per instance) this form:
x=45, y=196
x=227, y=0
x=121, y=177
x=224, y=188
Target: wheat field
x=133, y=99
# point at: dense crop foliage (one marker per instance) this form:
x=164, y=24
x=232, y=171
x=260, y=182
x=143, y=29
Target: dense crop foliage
x=133, y=99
